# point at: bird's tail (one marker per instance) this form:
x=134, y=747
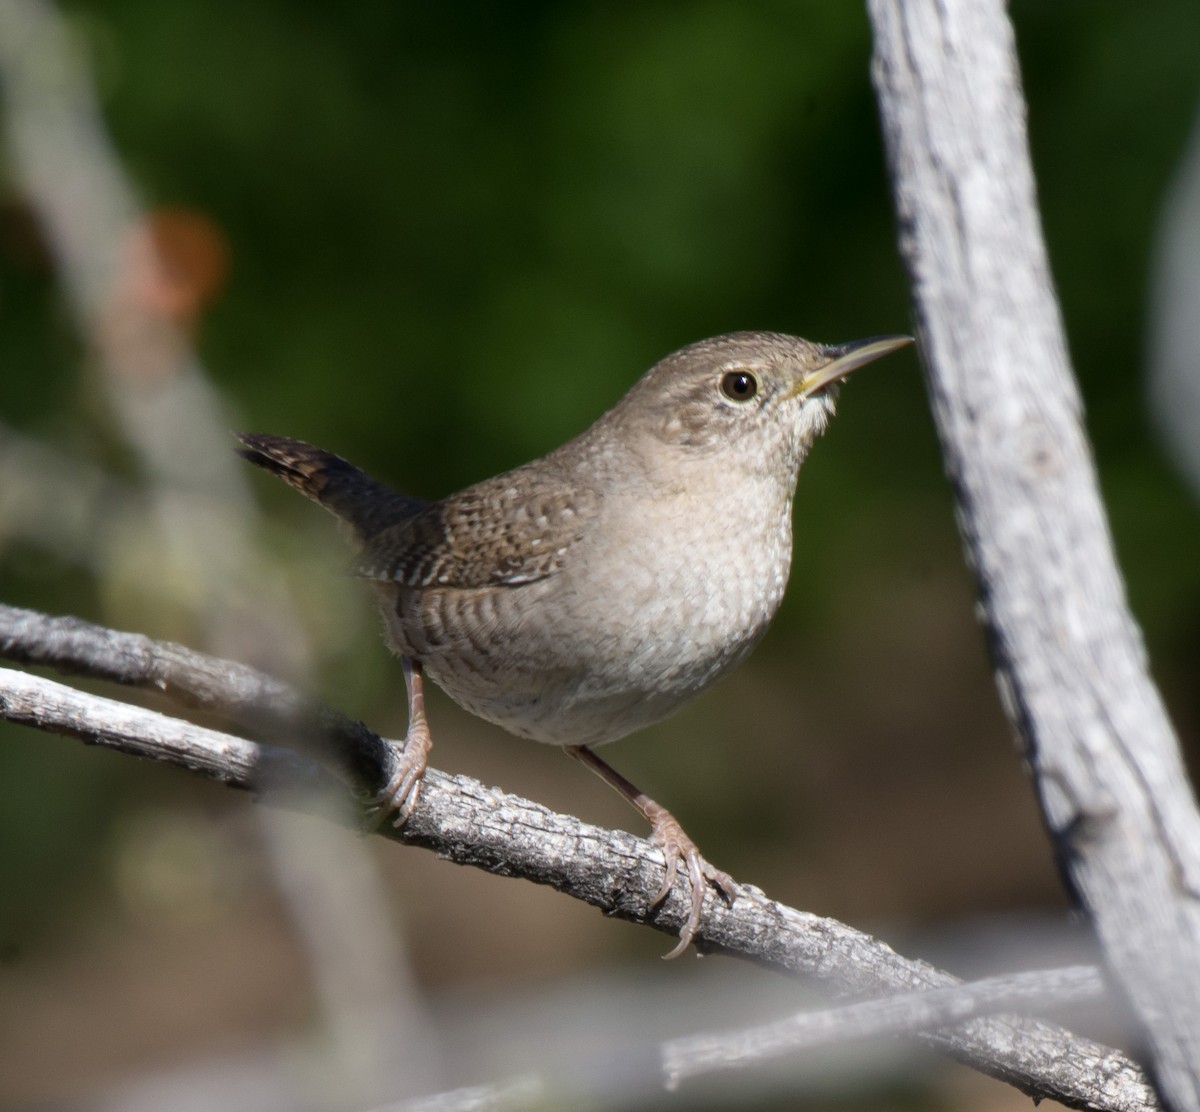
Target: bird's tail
x=349, y=493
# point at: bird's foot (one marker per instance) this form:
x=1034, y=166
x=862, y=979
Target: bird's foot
x=681, y=853
x=399, y=795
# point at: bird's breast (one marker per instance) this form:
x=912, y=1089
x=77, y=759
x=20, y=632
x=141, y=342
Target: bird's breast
x=694, y=579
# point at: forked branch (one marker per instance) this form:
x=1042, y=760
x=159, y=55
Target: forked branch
x=472, y=824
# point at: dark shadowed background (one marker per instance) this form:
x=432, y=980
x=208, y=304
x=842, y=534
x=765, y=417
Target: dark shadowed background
x=439, y=240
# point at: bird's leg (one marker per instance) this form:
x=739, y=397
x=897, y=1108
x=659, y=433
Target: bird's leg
x=399, y=795
x=678, y=849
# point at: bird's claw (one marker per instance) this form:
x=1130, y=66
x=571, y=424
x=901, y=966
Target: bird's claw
x=399, y=795
x=679, y=851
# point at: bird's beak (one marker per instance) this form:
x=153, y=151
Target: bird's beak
x=844, y=358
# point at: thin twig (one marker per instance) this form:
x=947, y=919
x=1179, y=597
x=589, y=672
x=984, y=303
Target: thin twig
x=265, y=707
x=696, y=1056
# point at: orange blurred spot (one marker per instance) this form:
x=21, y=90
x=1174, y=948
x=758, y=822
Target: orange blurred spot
x=172, y=264
x=177, y=261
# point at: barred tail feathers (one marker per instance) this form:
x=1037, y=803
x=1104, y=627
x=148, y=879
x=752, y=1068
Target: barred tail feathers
x=346, y=491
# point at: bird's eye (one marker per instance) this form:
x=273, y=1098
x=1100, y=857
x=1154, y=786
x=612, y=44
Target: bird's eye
x=739, y=386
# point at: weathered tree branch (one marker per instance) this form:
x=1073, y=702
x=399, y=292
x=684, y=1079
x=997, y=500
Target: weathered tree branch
x=471, y=824
x=1069, y=657
x=45, y=705
x=265, y=707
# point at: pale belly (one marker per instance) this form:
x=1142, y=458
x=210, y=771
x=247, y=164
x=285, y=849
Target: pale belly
x=562, y=662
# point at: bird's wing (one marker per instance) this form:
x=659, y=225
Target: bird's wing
x=497, y=533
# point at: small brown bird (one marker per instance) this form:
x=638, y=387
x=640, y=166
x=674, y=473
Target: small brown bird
x=587, y=594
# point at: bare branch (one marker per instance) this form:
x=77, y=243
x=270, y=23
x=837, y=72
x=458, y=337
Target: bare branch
x=45, y=705
x=471, y=824
x=1070, y=660
x=243, y=696
x=906, y=1014
x=516, y=1093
